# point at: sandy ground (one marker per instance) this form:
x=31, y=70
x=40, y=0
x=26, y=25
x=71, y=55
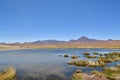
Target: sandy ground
x=4, y=47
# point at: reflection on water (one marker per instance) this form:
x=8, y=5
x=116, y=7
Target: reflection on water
x=45, y=64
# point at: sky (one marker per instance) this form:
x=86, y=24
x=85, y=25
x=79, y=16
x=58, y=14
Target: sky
x=31, y=20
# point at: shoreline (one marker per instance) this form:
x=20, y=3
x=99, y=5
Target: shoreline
x=53, y=48
x=13, y=49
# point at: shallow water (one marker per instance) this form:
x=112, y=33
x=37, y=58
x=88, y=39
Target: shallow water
x=45, y=64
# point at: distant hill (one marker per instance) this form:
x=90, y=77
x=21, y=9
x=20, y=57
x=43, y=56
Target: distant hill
x=47, y=42
x=84, y=39
x=82, y=42
x=81, y=39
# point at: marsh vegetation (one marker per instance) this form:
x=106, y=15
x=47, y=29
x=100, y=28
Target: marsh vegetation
x=108, y=73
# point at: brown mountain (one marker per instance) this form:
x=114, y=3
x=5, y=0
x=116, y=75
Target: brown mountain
x=47, y=42
x=81, y=39
x=84, y=39
x=82, y=42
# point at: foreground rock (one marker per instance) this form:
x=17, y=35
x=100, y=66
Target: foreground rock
x=8, y=74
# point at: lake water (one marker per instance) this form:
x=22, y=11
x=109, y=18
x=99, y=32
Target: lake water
x=46, y=64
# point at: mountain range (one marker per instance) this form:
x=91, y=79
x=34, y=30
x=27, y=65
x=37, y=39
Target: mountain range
x=82, y=42
x=81, y=39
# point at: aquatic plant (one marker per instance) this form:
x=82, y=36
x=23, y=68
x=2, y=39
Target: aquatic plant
x=74, y=57
x=112, y=73
x=81, y=63
x=96, y=64
x=72, y=62
x=109, y=73
x=93, y=56
x=78, y=75
x=100, y=54
x=78, y=71
x=95, y=72
x=111, y=57
x=83, y=76
x=105, y=54
x=95, y=53
x=8, y=74
x=78, y=62
x=86, y=53
x=66, y=55
x=86, y=63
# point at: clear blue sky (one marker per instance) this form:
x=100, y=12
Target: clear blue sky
x=30, y=20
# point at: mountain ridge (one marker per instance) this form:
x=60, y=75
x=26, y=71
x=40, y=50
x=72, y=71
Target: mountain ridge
x=82, y=42
x=81, y=39
x=52, y=41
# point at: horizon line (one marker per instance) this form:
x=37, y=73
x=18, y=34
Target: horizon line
x=56, y=40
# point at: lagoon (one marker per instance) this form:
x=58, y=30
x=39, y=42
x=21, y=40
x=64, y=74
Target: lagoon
x=46, y=64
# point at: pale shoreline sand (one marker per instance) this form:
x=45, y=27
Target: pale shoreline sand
x=7, y=48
